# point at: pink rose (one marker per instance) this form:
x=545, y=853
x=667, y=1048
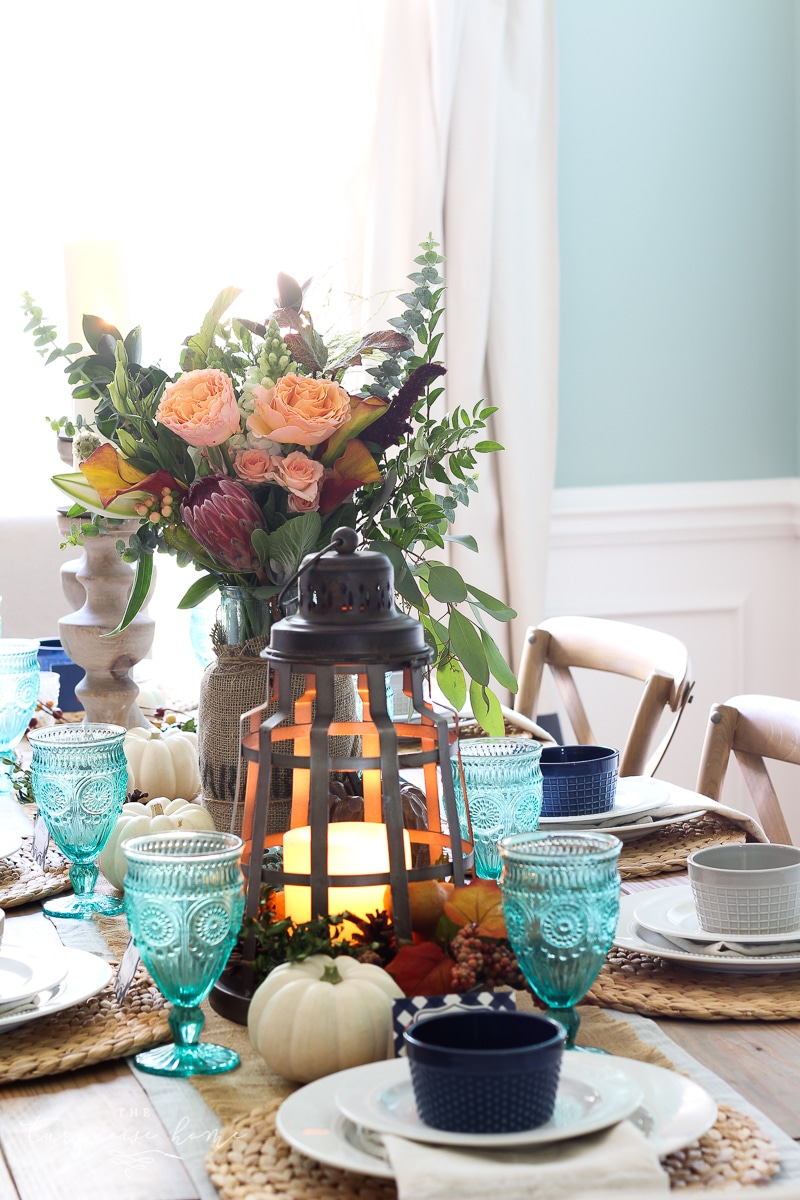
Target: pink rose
x=299, y=409
x=254, y=466
x=302, y=477
x=200, y=407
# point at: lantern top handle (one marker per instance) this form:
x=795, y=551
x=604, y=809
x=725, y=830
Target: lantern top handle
x=345, y=541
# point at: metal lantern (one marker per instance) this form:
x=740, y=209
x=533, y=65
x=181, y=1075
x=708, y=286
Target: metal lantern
x=346, y=623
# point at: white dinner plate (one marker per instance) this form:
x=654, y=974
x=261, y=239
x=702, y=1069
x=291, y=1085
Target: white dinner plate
x=10, y=841
x=592, y=1094
x=672, y=911
x=23, y=974
x=674, y=1112
x=86, y=975
x=631, y=935
x=635, y=797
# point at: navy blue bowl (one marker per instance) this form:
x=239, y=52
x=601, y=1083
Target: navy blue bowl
x=578, y=781
x=485, y=1072
x=53, y=657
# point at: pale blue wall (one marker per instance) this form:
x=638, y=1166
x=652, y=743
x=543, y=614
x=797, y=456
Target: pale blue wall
x=678, y=239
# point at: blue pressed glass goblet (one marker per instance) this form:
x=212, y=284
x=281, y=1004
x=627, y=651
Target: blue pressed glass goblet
x=79, y=776
x=561, y=903
x=19, y=691
x=503, y=782
x=184, y=896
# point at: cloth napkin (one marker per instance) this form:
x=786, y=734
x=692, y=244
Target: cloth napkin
x=731, y=949
x=616, y=1160
x=682, y=801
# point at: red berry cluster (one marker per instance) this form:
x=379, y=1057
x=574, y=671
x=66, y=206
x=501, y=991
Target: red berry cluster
x=488, y=961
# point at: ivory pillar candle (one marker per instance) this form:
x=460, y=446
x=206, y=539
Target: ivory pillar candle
x=354, y=847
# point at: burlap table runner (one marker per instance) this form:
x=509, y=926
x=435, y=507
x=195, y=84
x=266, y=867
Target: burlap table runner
x=252, y=1162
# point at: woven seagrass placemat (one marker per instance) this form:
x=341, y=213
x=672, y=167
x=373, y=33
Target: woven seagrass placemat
x=92, y=1032
x=250, y=1161
x=653, y=987
x=666, y=850
x=22, y=881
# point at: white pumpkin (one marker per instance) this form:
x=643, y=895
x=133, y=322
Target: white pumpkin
x=311, y=1018
x=156, y=816
x=163, y=764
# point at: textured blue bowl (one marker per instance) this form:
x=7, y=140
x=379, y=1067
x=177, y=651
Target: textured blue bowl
x=53, y=657
x=485, y=1072
x=578, y=781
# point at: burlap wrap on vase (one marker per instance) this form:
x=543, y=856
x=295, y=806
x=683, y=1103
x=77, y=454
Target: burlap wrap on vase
x=235, y=683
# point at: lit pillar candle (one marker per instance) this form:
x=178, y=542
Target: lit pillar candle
x=95, y=284
x=354, y=847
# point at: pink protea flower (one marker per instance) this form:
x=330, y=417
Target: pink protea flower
x=221, y=515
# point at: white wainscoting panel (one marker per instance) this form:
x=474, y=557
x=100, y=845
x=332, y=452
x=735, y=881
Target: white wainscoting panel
x=715, y=564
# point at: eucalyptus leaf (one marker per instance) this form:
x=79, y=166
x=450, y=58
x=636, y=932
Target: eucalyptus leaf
x=463, y=539
x=486, y=710
x=445, y=584
x=467, y=646
x=497, y=663
x=499, y=610
x=451, y=681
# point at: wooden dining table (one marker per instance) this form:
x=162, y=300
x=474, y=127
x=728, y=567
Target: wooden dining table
x=108, y=1132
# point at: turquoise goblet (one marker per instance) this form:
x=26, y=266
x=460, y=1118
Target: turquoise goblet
x=561, y=903
x=19, y=691
x=184, y=896
x=79, y=776
x=503, y=782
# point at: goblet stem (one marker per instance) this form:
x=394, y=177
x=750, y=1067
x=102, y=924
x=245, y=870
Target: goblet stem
x=186, y=1055
x=569, y=1019
x=186, y=1024
x=83, y=878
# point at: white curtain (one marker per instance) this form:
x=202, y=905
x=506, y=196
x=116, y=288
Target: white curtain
x=465, y=147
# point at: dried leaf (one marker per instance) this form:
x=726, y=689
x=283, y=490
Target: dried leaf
x=478, y=904
x=422, y=970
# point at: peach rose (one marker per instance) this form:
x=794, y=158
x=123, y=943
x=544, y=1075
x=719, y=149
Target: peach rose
x=254, y=466
x=302, y=477
x=299, y=409
x=200, y=407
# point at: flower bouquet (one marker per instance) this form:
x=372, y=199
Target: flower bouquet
x=267, y=439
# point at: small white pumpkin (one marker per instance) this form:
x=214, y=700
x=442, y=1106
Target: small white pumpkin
x=163, y=764
x=156, y=816
x=311, y=1018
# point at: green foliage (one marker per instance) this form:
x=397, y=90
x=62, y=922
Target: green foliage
x=433, y=473
x=279, y=940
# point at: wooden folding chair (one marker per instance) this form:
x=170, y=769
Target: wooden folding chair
x=752, y=728
x=659, y=660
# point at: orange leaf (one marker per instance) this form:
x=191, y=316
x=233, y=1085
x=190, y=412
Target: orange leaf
x=479, y=904
x=423, y=970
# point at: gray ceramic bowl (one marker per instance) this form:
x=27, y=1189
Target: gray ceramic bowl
x=748, y=889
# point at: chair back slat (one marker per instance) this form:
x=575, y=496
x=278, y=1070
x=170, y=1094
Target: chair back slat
x=657, y=659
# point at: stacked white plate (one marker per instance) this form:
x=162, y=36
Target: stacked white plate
x=636, y=798
x=663, y=923
x=37, y=985
x=10, y=842
x=338, y=1120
